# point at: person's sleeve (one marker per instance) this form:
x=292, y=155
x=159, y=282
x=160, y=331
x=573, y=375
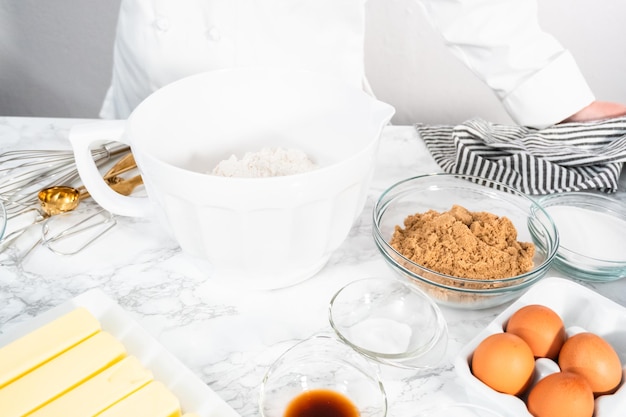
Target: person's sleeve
x=535, y=78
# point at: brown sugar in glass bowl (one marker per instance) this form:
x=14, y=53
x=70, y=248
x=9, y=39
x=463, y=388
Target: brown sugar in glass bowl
x=461, y=243
x=440, y=192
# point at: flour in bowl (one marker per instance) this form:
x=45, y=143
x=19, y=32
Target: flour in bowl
x=268, y=162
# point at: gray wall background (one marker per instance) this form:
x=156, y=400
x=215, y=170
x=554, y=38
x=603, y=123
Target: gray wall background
x=56, y=57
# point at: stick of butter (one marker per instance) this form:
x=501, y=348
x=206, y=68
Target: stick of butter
x=59, y=375
x=99, y=392
x=45, y=343
x=152, y=400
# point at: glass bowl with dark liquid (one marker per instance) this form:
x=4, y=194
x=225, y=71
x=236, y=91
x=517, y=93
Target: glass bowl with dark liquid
x=322, y=377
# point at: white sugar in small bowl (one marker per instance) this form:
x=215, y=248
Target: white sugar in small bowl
x=592, y=230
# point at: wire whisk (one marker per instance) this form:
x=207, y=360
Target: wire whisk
x=57, y=202
x=24, y=172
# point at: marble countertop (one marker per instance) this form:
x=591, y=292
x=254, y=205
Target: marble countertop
x=229, y=338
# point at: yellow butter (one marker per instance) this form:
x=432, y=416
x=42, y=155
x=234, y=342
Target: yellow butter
x=152, y=400
x=60, y=374
x=100, y=392
x=45, y=343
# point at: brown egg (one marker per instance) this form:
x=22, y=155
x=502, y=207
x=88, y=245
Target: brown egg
x=591, y=356
x=540, y=327
x=504, y=362
x=562, y=394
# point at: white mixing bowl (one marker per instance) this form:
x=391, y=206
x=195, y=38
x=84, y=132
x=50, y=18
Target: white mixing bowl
x=266, y=232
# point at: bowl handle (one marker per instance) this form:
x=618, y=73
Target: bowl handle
x=83, y=138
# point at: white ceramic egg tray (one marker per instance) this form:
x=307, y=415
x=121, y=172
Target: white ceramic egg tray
x=193, y=394
x=578, y=307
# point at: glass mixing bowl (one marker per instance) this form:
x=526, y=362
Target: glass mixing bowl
x=440, y=192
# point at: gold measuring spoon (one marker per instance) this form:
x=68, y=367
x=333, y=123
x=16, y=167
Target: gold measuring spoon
x=59, y=199
x=62, y=199
x=126, y=163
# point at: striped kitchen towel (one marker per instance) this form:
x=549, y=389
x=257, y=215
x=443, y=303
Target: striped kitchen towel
x=560, y=158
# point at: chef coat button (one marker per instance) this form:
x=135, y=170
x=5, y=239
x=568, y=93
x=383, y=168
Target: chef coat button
x=214, y=34
x=162, y=24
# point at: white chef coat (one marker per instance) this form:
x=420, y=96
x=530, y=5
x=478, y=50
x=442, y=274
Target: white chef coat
x=535, y=78
x=160, y=41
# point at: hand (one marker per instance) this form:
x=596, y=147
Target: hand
x=598, y=110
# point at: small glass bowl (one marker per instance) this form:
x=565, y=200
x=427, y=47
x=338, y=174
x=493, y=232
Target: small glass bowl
x=390, y=322
x=592, y=230
x=322, y=362
x=440, y=192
